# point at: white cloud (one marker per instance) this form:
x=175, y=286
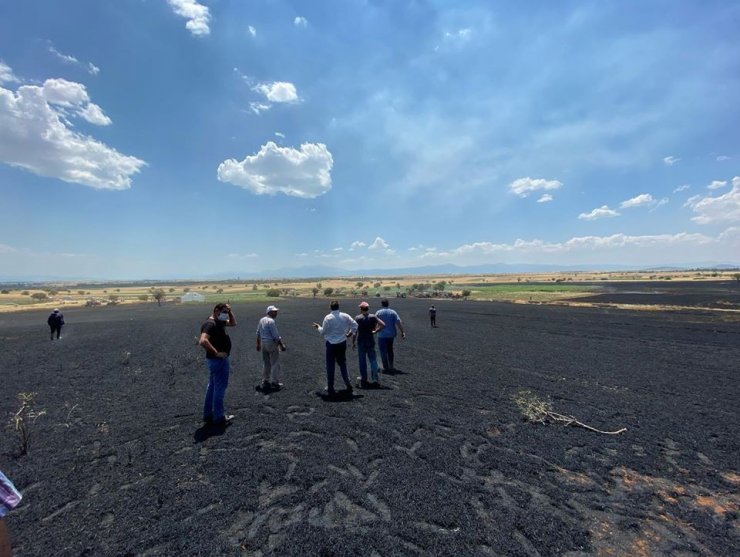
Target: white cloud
x=716, y=184
x=300, y=21
x=252, y=31
x=357, y=245
x=259, y=108
x=524, y=186
x=198, y=16
x=671, y=160
x=710, y=210
x=36, y=134
x=682, y=188
x=278, y=91
x=642, y=199
x=91, y=68
x=460, y=36
x=6, y=74
x=280, y=135
x=546, y=198
x=721, y=158
x=242, y=255
x=599, y=213
x=302, y=173
x=379, y=243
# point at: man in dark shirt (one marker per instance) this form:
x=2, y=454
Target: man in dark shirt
x=217, y=344
x=55, y=321
x=367, y=325
x=433, y=316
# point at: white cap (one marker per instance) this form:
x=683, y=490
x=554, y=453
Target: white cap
x=271, y=308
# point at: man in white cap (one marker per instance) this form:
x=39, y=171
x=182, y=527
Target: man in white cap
x=55, y=321
x=270, y=343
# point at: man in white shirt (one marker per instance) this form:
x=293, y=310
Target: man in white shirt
x=336, y=329
x=270, y=343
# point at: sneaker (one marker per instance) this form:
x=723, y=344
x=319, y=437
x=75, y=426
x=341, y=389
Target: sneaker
x=207, y=420
x=265, y=386
x=276, y=385
x=374, y=385
x=226, y=420
x=363, y=383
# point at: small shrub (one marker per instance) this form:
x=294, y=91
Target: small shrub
x=39, y=296
x=25, y=293
x=273, y=293
x=328, y=291
x=5, y=291
x=143, y=297
x=23, y=421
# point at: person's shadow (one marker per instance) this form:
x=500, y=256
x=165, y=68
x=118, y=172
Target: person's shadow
x=344, y=395
x=394, y=371
x=206, y=431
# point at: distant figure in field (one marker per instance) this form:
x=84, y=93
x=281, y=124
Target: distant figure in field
x=368, y=325
x=217, y=344
x=433, y=316
x=336, y=329
x=388, y=334
x=270, y=343
x=9, y=499
x=55, y=321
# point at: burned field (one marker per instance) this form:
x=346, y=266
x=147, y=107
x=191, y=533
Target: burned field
x=439, y=461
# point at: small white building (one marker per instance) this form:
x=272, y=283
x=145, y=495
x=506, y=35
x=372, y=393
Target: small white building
x=192, y=297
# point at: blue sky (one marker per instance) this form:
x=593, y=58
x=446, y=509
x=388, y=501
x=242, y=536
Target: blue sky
x=150, y=138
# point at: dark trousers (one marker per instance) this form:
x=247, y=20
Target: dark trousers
x=385, y=347
x=433, y=319
x=336, y=353
x=57, y=328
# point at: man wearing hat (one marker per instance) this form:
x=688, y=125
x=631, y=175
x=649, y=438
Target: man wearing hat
x=367, y=325
x=55, y=321
x=270, y=343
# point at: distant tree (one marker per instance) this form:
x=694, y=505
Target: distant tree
x=440, y=285
x=186, y=289
x=81, y=292
x=736, y=276
x=359, y=284
x=386, y=288
x=53, y=292
x=376, y=285
x=328, y=291
x=172, y=289
x=118, y=289
x=143, y=297
x=398, y=286
x=158, y=295
x=318, y=285
x=220, y=291
x=39, y=296
x=113, y=298
x=254, y=287
x=273, y=293
x=25, y=293
x=315, y=291
x=5, y=292
x=466, y=293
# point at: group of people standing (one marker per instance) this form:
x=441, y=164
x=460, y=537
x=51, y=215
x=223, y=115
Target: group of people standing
x=336, y=329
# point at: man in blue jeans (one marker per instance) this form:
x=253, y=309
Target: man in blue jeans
x=336, y=329
x=367, y=326
x=217, y=344
x=388, y=334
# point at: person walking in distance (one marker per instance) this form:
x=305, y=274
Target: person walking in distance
x=336, y=329
x=270, y=343
x=367, y=326
x=433, y=316
x=388, y=334
x=55, y=321
x=216, y=342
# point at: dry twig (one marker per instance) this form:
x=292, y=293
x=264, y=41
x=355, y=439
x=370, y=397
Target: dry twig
x=537, y=410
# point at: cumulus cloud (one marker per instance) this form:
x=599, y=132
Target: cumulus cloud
x=546, y=198
x=36, y=134
x=252, y=31
x=302, y=173
x=459, y=36
x=242, y=255
x=638, y=201
x=280, y=135
x=716, y=184
x=357, y=245
x=524, y=186
x=670, y=160
x=278, y=91
x=6, y=74
x=682, y=188
x=198, y=16
x=300, y=21
x=711, y=210
x=379, y=243
x=721, y=158
x=601, y=212
x=91, y=68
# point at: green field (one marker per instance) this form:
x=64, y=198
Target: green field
x=535, y=292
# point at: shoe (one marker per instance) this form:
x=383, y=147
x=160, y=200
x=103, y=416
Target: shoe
x=363, y=383
x=276, y=385
x=374, y=385
x=226, y=420
x=265, y=386
x=208, y=420
x=330, y=392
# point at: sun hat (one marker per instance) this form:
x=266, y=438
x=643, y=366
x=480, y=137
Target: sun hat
x=271, y=308
x=364, y=305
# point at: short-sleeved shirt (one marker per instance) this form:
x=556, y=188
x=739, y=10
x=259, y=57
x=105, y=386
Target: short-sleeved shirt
x=432, y=312
x=9, y=496
x=390, y=318
x=366, y=324
x=267, y=329
x=218, y=337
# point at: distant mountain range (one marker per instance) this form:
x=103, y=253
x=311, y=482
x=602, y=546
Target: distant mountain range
x=325, y=271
